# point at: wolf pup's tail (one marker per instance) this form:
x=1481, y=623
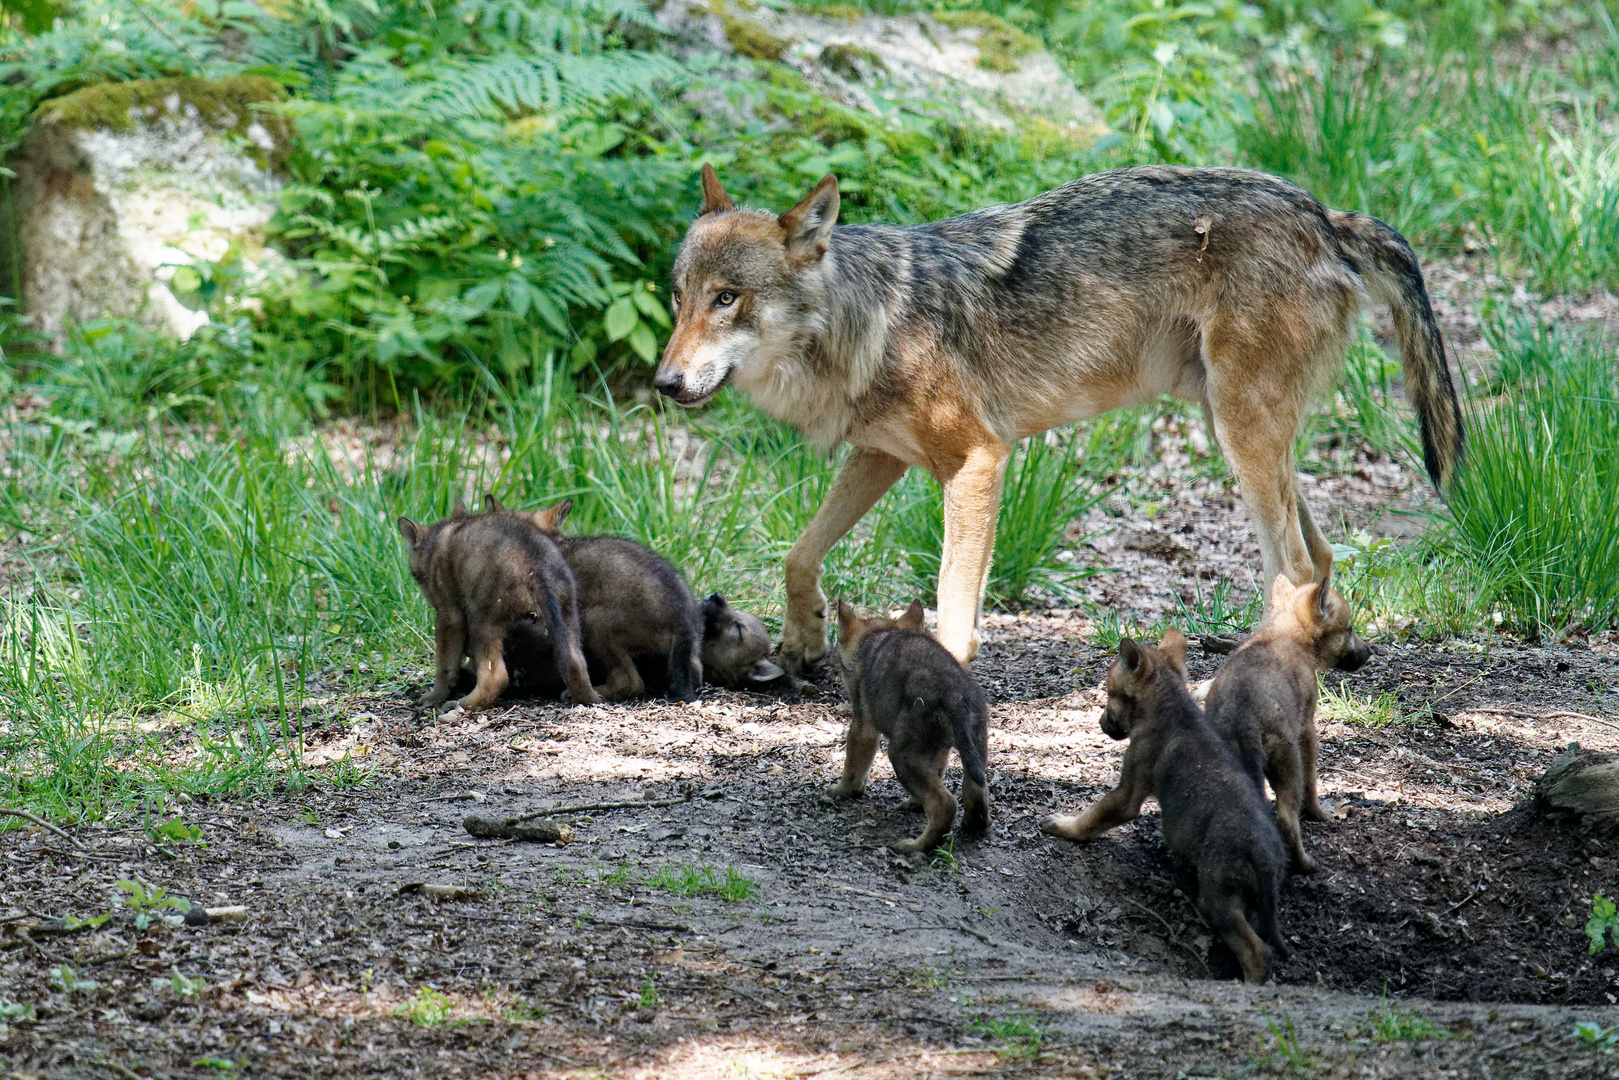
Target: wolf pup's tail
x=1265, y=910
x=1389, y=267
x=964, y=728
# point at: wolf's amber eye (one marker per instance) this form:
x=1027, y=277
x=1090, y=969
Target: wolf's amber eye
x=725, y=298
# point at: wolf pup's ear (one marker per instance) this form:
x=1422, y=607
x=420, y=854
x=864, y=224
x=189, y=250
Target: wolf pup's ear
x=551, y=518
x=411, y=531
x=1131, y=656
x=807, y=227
x=716, y=601
x=715, y=201
x=1173, y=645
x=1323, y=596
x=912, y=619
x=490, y=504
x=764, y=671
x=459, y=510
x=1281, y=592
x=849, y=624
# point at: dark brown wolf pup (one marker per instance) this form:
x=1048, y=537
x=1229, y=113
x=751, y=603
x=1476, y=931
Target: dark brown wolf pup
x=1263, y=700
x=905, y=685
x=736, y=647
x=493, y=578
x=635, y=608
x=1213, y=814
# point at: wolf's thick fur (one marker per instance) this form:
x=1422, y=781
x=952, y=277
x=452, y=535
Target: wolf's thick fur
x=736, y=646
x=635, y=609
x=902, y=684
x=942, y=345
x=1263, y=700
x=1213, y=814
x=496, y=584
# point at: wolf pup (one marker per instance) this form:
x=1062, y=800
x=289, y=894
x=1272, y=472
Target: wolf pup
x=635, y=608
x=1213, y=814
x=736, y=648
x=492, y=578
x=941, y=345
x=1263, y=700
x=904, y=685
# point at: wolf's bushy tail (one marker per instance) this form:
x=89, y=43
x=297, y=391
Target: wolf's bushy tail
x=965, y=729
x=1265, y=912
x=1389, y=267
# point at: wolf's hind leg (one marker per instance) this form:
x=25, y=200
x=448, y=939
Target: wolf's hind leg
x=865, y=476
x=922, y=775
x=974, y=806
x=1308, y=749
x=1226, y=918
x=449, y=645
x=623, y=680
x=860, y=748
x=1287, y=779
x=490, y=659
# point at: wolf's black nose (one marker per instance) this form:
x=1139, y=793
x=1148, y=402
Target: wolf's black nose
x=668, y=383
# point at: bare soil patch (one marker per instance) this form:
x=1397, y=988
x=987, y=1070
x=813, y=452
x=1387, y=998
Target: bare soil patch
x=848, y=960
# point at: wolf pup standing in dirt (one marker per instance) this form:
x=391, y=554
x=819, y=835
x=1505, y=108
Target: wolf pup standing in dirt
x=736, y=648
x=902, y=684
x=494, y=578
x=1263, y=700
x=634, y=607
x=1213, y=814
x=942, y=345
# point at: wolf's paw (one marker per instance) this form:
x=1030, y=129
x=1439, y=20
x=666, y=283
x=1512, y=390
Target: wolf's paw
x=1303, y=864
x=905, y=847
x=800, y=660
x=845, y=791
x=975, y=824
x=1058, y=825
x=433, y=697
x=1315, y=812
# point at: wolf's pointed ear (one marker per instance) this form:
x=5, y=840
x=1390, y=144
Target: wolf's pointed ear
x=551, y=518
x=849, y=624
x=1281, y=592
x=489, y=503
x=715, y=201
x=807, y=227
x=411, y=531
x=717, y=601
x=1323, y=597
x=1131, y=656
x=764, y=671
x=1173, y=645
x=912, y=619
x=460, y=509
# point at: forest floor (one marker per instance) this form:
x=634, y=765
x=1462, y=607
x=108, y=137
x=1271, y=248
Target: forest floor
x=753, y=928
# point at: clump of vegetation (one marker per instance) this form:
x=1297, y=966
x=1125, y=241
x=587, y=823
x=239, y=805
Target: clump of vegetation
x=1395, y=1023
x=704, y=880
x=1000, y=44
x=1016, y=1035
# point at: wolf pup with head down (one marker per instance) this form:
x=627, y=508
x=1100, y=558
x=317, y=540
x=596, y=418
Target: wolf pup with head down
x=1213, y=815
x=635, y=608
x=904, y=685
x=736, y=648
x=492, y=577
x=941, y=345
x=1263, y=700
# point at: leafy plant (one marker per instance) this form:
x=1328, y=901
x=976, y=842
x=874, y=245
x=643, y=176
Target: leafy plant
x=650, y=998
x=1016, y=1035
x=66, y=978
x=177, y=830
x=153, y=902
x=1347, y=707
x=1604, y=920
x=1399, y=1024
x=427, y=1007
x=1595, y=1036
x=705, y=880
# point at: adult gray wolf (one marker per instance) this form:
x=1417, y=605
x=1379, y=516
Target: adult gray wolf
x=1263, y=700
x=903, y=685
x=1213, y=813
x=942, y=345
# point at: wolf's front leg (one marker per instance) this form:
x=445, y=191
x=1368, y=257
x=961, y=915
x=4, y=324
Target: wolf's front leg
x=865, y=475
x=972, y=499
x=449, y=645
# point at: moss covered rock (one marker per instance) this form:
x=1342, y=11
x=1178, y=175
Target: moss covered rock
x=120, y=186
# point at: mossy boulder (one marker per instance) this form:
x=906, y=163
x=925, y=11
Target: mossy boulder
x=973, y=62
x=120, y=185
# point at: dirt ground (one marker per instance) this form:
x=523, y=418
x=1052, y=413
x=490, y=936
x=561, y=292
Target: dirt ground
x=1017, y=955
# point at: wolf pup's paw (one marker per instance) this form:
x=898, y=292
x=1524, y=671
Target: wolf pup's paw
x=1303, y=864
x=905, y=847
x=845, y=791
x=433, y=697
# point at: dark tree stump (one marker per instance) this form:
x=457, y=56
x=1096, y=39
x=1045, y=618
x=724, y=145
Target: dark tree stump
x=1582, y=786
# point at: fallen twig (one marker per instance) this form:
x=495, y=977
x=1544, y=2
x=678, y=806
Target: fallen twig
x=1558, y=714
x=1170, y=930
x=42, y=823
x=638, y=924
x=1513, y=1046
x=589, y=808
